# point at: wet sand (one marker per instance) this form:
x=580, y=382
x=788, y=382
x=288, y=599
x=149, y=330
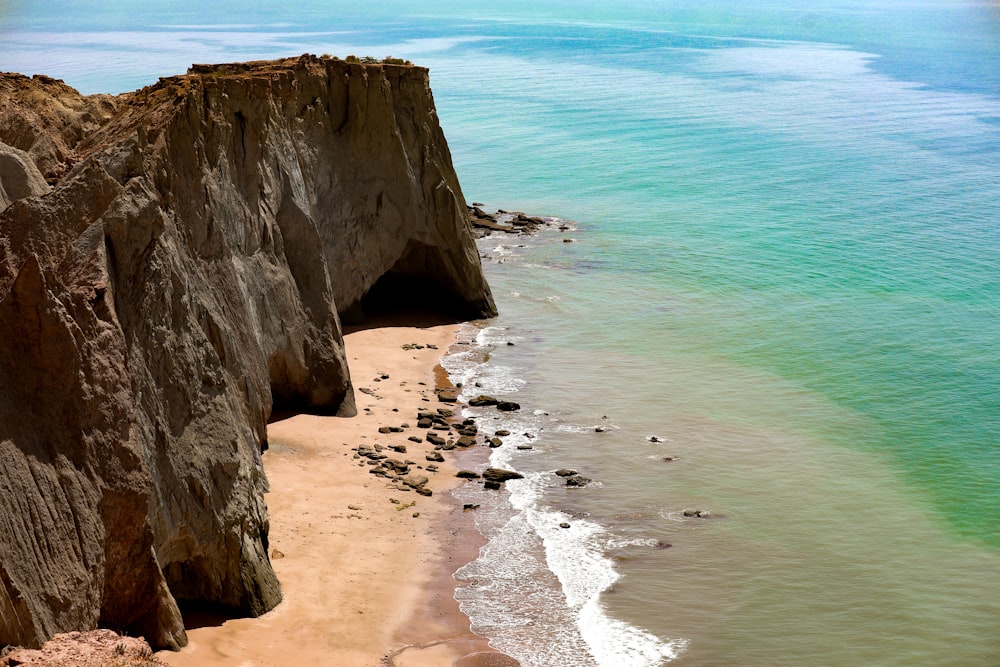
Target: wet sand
x=365, y=567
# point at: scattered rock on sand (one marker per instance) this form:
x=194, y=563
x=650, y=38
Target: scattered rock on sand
x=446, y=396
x=414, y=481
x=467, y=474
x=434, y=456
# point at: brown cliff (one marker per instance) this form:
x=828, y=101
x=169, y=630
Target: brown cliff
x=172, y=265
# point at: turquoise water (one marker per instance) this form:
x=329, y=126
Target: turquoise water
x=786, y=267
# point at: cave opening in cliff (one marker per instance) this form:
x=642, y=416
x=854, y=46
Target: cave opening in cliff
x=412, y=292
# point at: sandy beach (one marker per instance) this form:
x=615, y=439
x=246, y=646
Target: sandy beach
x=365, y=564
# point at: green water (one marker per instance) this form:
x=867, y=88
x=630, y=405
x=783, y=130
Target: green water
x=787, y=266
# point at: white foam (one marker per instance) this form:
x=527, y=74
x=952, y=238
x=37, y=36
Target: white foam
x=535, y=589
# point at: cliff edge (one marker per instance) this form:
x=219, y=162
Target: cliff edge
x=174, y=263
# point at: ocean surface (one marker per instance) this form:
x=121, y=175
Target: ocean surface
x=780, y=306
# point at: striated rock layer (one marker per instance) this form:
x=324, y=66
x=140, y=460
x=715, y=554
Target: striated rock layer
x=172, y=265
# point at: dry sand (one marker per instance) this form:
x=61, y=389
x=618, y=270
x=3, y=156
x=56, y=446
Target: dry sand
x=366, y=582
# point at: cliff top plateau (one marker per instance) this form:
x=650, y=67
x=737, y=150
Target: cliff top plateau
x=175, y=263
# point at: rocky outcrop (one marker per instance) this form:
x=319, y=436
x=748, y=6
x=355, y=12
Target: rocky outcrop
x=172, y=265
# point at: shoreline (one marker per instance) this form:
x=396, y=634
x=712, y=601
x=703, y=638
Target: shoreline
x=365, y=562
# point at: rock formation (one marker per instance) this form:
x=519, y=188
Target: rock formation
x=172, y=265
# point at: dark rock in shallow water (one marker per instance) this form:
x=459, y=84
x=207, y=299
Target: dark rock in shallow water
x=495, y=442
x=499, y=475
x=467, y=474
x=564, y=525
x=492, y=486
x=577, y=481
x=565, y=472
x=699, y=514
x=466, y=441
x=482, y=400
x=470, y=506
x=501, y=433
x=508, y=406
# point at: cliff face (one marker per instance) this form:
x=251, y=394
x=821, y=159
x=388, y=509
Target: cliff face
x=172, y=263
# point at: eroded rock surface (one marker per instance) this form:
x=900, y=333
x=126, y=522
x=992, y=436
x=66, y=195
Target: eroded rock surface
x=172, y=264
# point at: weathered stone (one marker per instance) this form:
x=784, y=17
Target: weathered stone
x=466, y=441
x=564, y=525
x=482, y=401
x=467, y=474
x=697, y=514
x=565, y=472
x=501, y=433
x=577, y=480
x=435, y=439
x=495, y=442
x=400, y=467
x=508, y=406
x=447, y=396
x=492, y=486
x=415, y=481
x=183, y=275
x=500, y=475
x=434, y=456
x=401, y=449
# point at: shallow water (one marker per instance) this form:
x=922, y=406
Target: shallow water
x=786, y=268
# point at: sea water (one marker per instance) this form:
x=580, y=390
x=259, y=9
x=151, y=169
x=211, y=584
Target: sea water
x=780, y=307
